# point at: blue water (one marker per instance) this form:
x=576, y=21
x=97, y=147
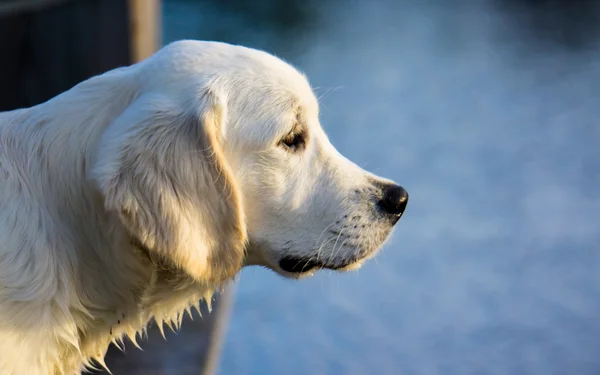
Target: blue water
x=492, y=122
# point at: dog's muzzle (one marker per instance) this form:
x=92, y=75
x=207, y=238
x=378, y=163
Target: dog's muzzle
x=391, y=204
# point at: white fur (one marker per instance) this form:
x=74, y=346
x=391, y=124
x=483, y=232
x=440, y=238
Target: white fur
x=138, y=192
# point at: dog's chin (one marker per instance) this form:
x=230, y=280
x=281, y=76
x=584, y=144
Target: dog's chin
x=299, y=267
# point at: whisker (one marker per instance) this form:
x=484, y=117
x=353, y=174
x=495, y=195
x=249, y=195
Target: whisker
x=336, y=241
x=319, y=239
x=339, y=248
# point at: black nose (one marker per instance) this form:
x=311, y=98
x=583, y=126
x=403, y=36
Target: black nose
x=394, y=200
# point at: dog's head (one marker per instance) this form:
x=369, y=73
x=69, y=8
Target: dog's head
x=221, y=162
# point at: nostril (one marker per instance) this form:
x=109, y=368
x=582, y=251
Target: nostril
x=394, y=200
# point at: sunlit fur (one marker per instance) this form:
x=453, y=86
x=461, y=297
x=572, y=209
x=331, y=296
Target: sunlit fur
x=138, y=192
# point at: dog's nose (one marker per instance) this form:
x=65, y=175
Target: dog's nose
x=394, y=200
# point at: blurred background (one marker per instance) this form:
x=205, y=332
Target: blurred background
x=488, y=112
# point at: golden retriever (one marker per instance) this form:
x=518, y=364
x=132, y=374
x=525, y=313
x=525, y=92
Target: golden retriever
x=136, y=193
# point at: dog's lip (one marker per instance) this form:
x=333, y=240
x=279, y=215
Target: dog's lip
x=298, y=267
x=301, y=265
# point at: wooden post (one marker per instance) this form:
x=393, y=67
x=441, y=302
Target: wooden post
x=47, y=47
x=145, y=28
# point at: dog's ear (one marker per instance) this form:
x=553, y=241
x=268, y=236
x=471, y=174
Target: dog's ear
x=161, y=169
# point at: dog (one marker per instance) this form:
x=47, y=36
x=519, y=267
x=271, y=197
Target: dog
x=138, y=192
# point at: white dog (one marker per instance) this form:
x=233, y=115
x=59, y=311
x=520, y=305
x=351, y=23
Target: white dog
x=138, y=192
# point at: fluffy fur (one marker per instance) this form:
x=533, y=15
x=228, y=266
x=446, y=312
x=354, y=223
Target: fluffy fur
x=138, y=192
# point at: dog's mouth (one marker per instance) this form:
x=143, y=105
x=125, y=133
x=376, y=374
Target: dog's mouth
x=301, y=265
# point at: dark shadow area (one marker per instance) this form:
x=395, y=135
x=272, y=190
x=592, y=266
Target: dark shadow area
x=568, y=24
x=45, y=52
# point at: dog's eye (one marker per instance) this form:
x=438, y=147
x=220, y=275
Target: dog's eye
x=294, y=140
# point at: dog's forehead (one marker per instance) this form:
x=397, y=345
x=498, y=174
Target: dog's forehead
x=269, y=73
x=265, y=88
x=234, y=66
x=264, y=94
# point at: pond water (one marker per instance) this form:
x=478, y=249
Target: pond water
x=488, y=112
